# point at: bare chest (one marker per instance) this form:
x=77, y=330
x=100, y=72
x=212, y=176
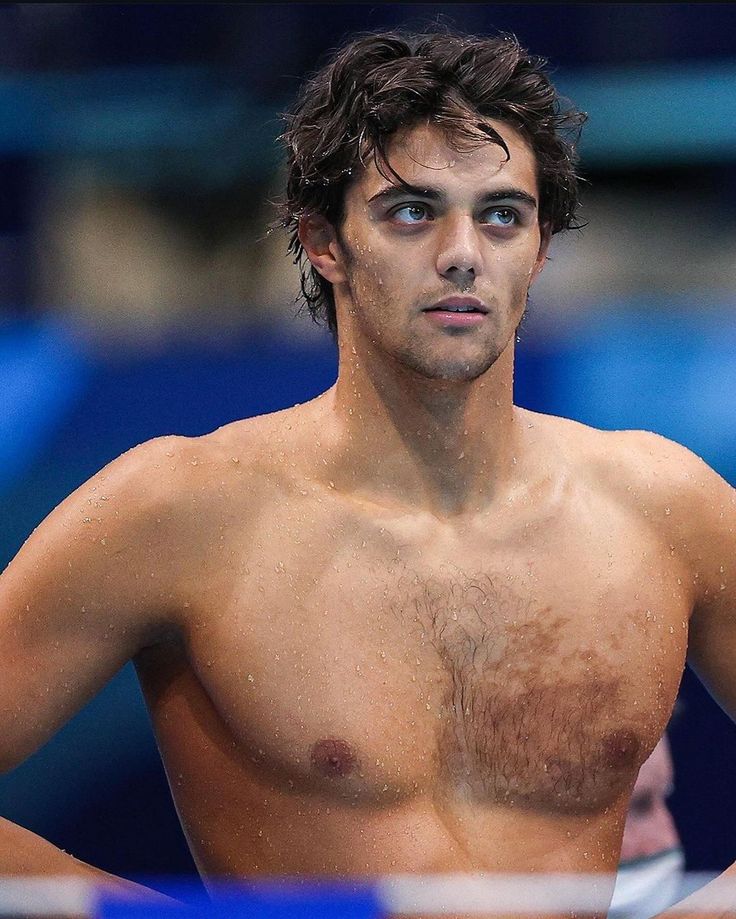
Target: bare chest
x=539, y=682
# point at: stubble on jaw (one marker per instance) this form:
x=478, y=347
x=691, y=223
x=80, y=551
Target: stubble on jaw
x=449, y=371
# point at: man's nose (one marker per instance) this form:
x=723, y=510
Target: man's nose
x=459, y=258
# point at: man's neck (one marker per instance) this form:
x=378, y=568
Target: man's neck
x=396, y=438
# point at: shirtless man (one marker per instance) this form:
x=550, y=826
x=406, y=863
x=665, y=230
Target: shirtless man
x=407, y=626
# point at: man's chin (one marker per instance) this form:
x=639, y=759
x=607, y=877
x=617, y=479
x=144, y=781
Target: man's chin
x=452, y=371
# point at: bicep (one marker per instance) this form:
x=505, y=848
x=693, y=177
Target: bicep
x=711, y=542
x=81, y=597
x=712, y=654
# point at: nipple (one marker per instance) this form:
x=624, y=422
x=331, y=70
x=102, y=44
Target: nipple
x=620, y=748
x=333, y=758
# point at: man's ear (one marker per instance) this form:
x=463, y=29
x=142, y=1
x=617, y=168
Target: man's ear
x=545, y=239
x=318, y=237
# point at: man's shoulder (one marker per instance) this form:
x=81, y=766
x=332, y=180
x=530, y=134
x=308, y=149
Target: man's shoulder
x=641, y=468
x=172, y=469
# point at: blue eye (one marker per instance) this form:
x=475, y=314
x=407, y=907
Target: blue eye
x=501, y=216
x=412, y=213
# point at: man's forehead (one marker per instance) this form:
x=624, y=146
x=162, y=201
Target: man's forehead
x=424, y=154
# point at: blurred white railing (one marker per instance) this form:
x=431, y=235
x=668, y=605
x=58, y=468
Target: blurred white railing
x=425, y=895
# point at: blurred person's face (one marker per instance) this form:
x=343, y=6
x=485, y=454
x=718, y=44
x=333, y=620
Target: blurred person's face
x=649, y=824
x=469, y=230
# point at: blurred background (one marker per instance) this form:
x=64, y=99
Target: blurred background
x=141, y=294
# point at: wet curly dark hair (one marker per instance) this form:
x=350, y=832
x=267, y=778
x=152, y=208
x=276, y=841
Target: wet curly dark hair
x=381, y=82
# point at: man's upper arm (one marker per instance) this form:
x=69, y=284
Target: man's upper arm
x=705, y=530
x=89, y=588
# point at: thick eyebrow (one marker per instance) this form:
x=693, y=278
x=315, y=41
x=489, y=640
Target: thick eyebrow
x=398, y=192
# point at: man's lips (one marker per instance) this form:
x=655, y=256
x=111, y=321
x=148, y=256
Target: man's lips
x=458, y=305
x=457, y=312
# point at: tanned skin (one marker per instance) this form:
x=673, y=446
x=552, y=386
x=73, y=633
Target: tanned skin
x=406, y=626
